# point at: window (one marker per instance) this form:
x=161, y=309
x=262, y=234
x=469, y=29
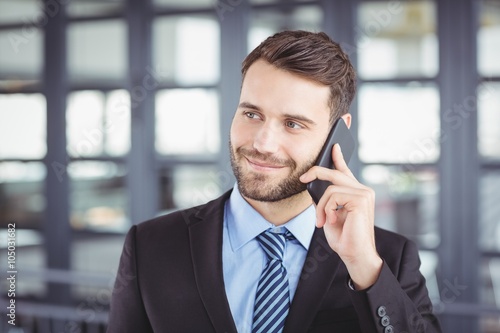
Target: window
x=97, y=50
x=399, y=116
x=399, y=123
x=98, y=196
x=488, y=106
x=187, y=121
x=186, y=49
x=488, y=39
x=20, y=60
x=267, y=22
x=22, y=194
x=23, y=126
x=397, y=39
x=98, y=123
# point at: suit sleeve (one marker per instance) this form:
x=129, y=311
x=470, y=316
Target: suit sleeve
x=127, y=313
x=398, y=301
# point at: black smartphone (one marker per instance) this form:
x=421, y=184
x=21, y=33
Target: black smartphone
x=338, y=134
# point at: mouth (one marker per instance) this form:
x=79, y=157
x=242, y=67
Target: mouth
x=263, y=166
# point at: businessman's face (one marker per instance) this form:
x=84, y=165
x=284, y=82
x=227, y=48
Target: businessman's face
x=277, y=132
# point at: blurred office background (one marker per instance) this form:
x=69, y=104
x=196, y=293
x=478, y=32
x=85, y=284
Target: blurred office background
x=113, y=112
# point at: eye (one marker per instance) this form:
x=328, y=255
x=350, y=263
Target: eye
x=292, y=124
x=252, y=115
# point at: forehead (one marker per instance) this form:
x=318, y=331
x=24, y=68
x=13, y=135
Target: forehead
x=276, y=90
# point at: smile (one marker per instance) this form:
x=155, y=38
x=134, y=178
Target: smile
x=263, y=166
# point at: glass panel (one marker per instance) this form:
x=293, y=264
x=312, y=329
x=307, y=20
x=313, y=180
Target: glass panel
x=489, y=120
x=397, y=39
x=27, y=11
x=429, y=263
x=97, y=50
x=22, y=199
x=23, y=130
x=489, y=191
x=489, y=38
x=188, y=186
x=399, y=123
x=275, y=1
x=406, y=201
x=21, y=54
x=187, y=121
x=490, y=293
x=117, y=123
x=22, y=202
x=489, y=324
x=98, y=123
x=490, y=282
x=190, y=4
x=84, y=117
x=31, y=259
x=96, y=293
x=267, y=22
x=186, y=49
x=94, y=8
x=98, y=197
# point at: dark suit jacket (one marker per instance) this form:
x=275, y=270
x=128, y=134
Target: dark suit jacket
x=170, y=280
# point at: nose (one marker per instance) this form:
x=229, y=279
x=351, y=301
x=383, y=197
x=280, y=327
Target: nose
x=266, y=139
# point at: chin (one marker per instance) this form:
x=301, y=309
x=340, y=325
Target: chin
x=267, y=192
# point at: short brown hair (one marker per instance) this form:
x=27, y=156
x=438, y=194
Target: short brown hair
x=314, y=56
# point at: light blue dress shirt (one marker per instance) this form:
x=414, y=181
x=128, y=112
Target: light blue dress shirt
x=244, y=260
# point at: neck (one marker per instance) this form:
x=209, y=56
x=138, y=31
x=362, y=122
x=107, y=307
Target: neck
x=282, y=211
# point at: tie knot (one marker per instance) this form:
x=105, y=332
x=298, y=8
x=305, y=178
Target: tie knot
x=273, y=243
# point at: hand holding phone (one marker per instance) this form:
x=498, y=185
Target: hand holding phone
x=345, y=213
x=338, y=134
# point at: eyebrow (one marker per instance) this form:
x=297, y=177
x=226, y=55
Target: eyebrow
x=247, y=105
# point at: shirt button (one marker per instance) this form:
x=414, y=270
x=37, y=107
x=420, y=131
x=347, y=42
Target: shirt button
x=389, y=329
x=385, y=321
x=381, y=311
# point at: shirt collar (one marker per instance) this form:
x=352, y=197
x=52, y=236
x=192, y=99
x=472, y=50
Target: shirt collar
x=244, y=223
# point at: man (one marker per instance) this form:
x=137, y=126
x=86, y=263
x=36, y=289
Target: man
x=263, y=257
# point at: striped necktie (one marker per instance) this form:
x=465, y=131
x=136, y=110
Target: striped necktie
x=272, y=299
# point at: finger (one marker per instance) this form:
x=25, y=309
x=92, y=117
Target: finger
x=334, y=221
x=335, y=214
x=326, y=209
x=334, y=230
x=339, y=162
x=333, y=176
x=337, y=201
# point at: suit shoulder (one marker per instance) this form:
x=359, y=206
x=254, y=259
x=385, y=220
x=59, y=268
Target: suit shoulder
x=177, y=220
x=384, y=235
x=393, y=246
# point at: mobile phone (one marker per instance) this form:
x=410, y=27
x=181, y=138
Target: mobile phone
x=338, y=134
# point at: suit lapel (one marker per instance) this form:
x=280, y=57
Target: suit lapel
x=320, y=268
x=205, y=234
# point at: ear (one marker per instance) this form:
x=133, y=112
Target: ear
x=347, y=119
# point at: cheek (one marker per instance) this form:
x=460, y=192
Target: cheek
x=306, y=151
x=240, y=134
x=234, y=133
